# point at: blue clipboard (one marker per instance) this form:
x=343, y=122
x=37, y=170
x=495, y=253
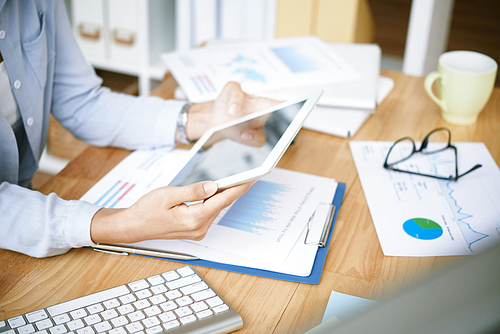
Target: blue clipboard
x=319, y=261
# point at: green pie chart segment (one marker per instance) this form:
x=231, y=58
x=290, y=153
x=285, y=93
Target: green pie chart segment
x=421, y=228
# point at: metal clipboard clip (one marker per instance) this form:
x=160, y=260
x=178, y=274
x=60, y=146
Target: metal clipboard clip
x=319, y=225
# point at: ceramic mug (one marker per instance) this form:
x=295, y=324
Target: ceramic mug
x=466, y=80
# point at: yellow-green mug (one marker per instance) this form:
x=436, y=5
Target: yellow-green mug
x=466, y=80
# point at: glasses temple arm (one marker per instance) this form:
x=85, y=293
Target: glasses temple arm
x=470, y=170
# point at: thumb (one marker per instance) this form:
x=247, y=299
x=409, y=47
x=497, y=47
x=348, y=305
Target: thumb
x=197, y=191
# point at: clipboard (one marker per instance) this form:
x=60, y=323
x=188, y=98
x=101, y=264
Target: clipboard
x=319, y=261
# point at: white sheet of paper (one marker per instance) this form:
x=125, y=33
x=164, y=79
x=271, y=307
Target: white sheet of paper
x=266, y=232
x=421, y=216
x=345, y=122
x=257, y=66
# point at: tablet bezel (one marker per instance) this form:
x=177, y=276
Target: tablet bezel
x=276, y=153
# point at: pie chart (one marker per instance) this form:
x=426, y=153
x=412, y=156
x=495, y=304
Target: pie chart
x=422, y=228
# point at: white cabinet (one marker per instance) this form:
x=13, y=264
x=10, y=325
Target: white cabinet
x=127, y=36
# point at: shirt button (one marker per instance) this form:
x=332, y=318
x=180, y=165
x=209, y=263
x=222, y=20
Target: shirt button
x=17, y=84
x=30, y=121
x=2, y=34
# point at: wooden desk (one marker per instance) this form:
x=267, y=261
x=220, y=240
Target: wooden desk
x=355, y=263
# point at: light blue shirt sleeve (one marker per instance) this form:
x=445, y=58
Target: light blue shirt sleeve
x=48, y=75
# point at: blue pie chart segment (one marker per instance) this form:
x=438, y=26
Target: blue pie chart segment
x=422, y=228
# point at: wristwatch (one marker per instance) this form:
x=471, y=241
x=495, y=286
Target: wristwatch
x=181, y=125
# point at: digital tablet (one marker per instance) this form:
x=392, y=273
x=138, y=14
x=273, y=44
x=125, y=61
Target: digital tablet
x=219, y=156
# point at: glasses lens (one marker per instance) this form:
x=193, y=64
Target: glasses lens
x=437, y=141
x=401, y=150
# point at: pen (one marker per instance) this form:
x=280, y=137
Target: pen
x=125, y=250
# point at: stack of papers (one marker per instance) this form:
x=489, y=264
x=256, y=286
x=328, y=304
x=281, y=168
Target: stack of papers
x=349, y=75
x=265, y=228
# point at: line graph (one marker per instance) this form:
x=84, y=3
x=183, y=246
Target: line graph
x=444, y=165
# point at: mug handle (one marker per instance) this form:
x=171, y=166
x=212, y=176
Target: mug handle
x=429, y=80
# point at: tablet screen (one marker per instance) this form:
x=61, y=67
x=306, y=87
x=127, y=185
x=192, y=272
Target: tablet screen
x=222, y=156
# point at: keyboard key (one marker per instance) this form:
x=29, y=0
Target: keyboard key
x=183, y=311
x=170, y=305
x=41, y=332
x=3, y=324
x=167, y=316
x=215, y=301
x=127, y=299
x=187, y=290
x=154, y=330
x=36, y=316
x=92, y=319
x=136, y=316
x=152, y=311
x=158, y=289
x=171, y=324
x=188, y=319
x=26, y=329
x=109, y=314
x=75, y=324
x=174, y=294
x=134, y=327
x=185, y=271
x=44, y=324
x=126, y=309
x=155, y=280
x=120, y=321
x=143, y=294
x=16, y=322
x=202, y=295
x=221, y=308
x=78, y=314
x=155, y=300
x=112, y=303
x=120, y=330
x=204, y=314
x=61, y=319
x=86, y=330
x=58, y=330
x=183, y=282
x=142, y=304
x=96, y=308
x=183, y=301
x=170, y=276
x=200, y=306
x=103, y=326
x=138, y=285
x=151, y=322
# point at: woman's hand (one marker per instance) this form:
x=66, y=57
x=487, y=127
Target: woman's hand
x=162, y=214
x=231, y=103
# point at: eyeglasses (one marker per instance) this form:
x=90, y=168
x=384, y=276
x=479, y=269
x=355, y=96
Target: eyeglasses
x=404, y=148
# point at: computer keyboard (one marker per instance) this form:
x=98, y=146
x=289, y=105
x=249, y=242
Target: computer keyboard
x=177, y=301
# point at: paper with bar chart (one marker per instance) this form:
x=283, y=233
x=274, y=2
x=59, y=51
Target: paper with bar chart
x=421, y=216
x=265, y=228
x=139, y=173
x=257, y=66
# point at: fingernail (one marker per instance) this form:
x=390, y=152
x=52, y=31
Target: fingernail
x=210, y=188
x=233, y=109
x=246, y=135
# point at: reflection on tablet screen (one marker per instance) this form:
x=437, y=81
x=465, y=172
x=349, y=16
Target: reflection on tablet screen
x=222, y=156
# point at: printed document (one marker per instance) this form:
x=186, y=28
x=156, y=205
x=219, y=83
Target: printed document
x=422, y=216
x=265, y=228
x=257, y=66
